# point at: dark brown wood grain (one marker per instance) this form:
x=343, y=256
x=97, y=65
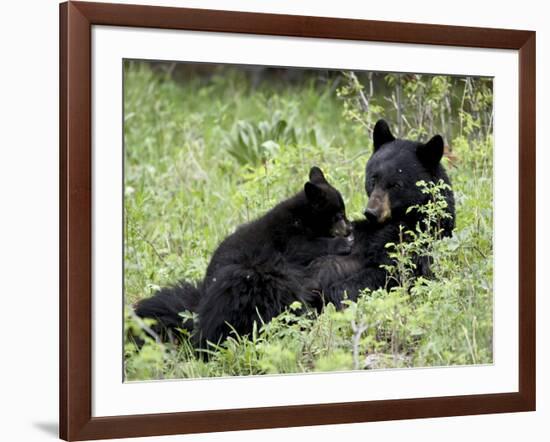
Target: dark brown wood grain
x=76, y=20
x=527, y=220
x=63, y=201
x=75, y=216
x=300, y=26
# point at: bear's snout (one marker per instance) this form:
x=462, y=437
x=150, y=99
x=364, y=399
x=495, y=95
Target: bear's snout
x=379, y=208
x=371, y=215
x=342, y=228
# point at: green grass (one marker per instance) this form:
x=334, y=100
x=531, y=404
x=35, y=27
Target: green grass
x=202, y=157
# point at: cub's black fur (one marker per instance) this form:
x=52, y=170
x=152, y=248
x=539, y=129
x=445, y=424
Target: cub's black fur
x=392, y=172
x=258, y=271
x=165, y=307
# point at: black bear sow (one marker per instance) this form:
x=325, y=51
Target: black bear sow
x=392, y=174
x=393, y=171
x=258, y=271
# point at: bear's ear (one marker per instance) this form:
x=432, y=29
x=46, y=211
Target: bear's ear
x=430, y=153
x=381, y=134
x=314, y=194
x=316, y=175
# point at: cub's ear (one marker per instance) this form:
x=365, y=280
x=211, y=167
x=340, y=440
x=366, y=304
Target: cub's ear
x=381, y=134
x=430, y=153
x=316, y=175
x=314, y=194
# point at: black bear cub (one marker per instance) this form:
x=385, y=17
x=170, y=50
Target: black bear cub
x=258, y=271
x=392, y=173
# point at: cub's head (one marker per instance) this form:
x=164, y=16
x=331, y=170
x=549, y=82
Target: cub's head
x=328, y=212
x=393, y=171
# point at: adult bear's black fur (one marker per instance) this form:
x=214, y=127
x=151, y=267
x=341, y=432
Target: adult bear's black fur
x=258, y=271
x=391, y=176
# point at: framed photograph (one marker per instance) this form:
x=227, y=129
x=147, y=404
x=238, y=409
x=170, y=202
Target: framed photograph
x=274, y=220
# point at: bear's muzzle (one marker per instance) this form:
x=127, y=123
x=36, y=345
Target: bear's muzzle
x=379, y=208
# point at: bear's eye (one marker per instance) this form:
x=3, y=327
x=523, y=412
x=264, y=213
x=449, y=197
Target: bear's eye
x=396, y=185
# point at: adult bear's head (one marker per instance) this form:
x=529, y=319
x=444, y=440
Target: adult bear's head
x=393, y=171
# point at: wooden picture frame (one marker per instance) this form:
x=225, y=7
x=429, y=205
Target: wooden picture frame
x=76, y=21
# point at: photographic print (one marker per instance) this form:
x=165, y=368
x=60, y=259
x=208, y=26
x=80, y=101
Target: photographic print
x=296, y=218
x=281, y=220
